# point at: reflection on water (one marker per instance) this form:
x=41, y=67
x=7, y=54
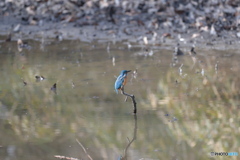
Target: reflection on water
x=125, y=156
x=187, y=107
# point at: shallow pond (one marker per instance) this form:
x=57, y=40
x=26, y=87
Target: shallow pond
x=186, y=108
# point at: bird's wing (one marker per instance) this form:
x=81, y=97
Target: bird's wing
x=119, y=81
x=122, y=77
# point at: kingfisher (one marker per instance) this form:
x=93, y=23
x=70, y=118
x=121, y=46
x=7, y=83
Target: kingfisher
x=121, y=80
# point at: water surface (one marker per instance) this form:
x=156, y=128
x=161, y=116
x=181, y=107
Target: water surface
x=187, y=108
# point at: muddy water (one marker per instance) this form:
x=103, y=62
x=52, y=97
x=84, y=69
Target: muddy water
x=187, y=108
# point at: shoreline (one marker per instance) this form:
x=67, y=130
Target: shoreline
x=105, y=33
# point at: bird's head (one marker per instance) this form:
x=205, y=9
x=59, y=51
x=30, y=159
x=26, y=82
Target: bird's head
x=125, y=72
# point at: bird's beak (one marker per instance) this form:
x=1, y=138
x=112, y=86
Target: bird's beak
x=129, y=71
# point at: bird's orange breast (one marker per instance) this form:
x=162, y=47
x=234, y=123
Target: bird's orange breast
x=125, y=81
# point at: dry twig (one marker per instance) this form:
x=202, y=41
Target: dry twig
x=84, y=149
x=133, y=100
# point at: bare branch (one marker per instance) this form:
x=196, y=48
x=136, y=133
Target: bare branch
x=84, y=149
x=64, y=157
x=133, y=100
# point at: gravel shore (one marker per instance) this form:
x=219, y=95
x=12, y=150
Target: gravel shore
x=211, y=23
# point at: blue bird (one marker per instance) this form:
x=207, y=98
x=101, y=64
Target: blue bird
x=121, y=80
